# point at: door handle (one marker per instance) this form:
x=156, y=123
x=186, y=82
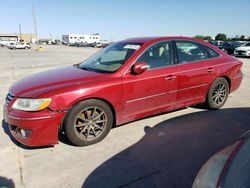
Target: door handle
x=170, y=77
x=210, y=69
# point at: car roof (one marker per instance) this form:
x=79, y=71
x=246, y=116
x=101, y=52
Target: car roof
x=154, y=39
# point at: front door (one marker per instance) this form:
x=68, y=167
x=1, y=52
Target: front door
x=154, y=90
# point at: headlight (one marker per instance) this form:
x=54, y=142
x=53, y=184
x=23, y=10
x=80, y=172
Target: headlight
x=31, y=104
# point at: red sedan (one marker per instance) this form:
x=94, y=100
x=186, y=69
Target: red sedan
x=126, y=81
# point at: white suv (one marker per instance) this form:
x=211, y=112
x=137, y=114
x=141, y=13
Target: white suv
x=20, y=46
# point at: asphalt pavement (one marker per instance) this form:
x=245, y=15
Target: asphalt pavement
x=161, y=151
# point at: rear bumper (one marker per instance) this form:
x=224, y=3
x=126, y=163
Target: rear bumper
x=236, y=81
x=41, y=127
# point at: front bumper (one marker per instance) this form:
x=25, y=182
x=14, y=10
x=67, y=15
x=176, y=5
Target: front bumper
x=41, y=127
x=242, y=54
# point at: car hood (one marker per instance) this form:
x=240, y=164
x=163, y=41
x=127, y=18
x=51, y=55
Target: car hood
x=53, y=80
x=243, y=48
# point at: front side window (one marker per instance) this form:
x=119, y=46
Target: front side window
x=189, y=52
x=156, y=56
x=111, y=58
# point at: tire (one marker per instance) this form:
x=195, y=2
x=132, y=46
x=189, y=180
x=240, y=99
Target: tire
x=88, y=122
x=217, y=94
x=14, y=48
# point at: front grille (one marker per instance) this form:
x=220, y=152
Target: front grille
x=9, y=98
x=240, y=51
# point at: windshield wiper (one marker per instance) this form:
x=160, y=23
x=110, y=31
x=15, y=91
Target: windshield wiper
x=87, y=69
x=83, y=68
x=92, y=70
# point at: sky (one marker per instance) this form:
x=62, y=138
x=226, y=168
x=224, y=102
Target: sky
x=115, y=20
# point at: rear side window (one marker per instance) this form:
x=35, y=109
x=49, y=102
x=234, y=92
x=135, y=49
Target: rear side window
x=211, y=53
x=188, y=52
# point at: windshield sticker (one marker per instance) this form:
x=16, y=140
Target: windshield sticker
x=132, y=46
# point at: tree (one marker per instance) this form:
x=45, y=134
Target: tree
x=208, y=38
x=221, y=36
x=242, y=37
x=201, y=37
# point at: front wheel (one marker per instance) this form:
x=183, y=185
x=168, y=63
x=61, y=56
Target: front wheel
x=217, y=94
x=88, y=122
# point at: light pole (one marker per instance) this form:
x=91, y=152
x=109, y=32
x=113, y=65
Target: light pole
x=34, y=17
x=20, y=33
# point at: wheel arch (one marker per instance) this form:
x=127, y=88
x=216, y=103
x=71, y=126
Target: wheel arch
x=228, y=80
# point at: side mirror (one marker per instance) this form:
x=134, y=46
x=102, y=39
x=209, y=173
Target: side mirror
x=139, y=67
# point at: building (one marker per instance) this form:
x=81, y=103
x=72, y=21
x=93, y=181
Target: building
x=81, y=38
x=13, y=37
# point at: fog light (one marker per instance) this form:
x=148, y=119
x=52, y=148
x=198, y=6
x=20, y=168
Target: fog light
x=25, y=133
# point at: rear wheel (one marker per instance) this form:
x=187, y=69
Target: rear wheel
x=88, y=122
x=217, y=94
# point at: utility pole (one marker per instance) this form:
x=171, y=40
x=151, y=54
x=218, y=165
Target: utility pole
x=34, y=17
x=20, y=33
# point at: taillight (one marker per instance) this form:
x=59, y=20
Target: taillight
x=238, y=68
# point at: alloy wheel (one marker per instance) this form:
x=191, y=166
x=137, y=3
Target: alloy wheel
x=219, y=93
x=90, y=123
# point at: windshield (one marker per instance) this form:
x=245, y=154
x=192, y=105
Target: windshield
x=247, y=44
x=111, y=58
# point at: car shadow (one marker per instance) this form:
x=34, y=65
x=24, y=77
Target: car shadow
x=8, y=183
x=63, y=139
x=7, y=131
x=171, y=153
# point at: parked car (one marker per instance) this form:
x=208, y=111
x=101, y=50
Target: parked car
x=243, y=50
x=92, y=45
x=216, y=42
x=228, y=168
x=229, y=47
x=81, y=44
x=10, y=44
x=6, y=42
x=224, y=45
x=102, y=45
x=123, y=82
x=20, y=46
x=71, y=44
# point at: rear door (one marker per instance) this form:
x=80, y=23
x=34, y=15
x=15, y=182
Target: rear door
x=192, y=71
